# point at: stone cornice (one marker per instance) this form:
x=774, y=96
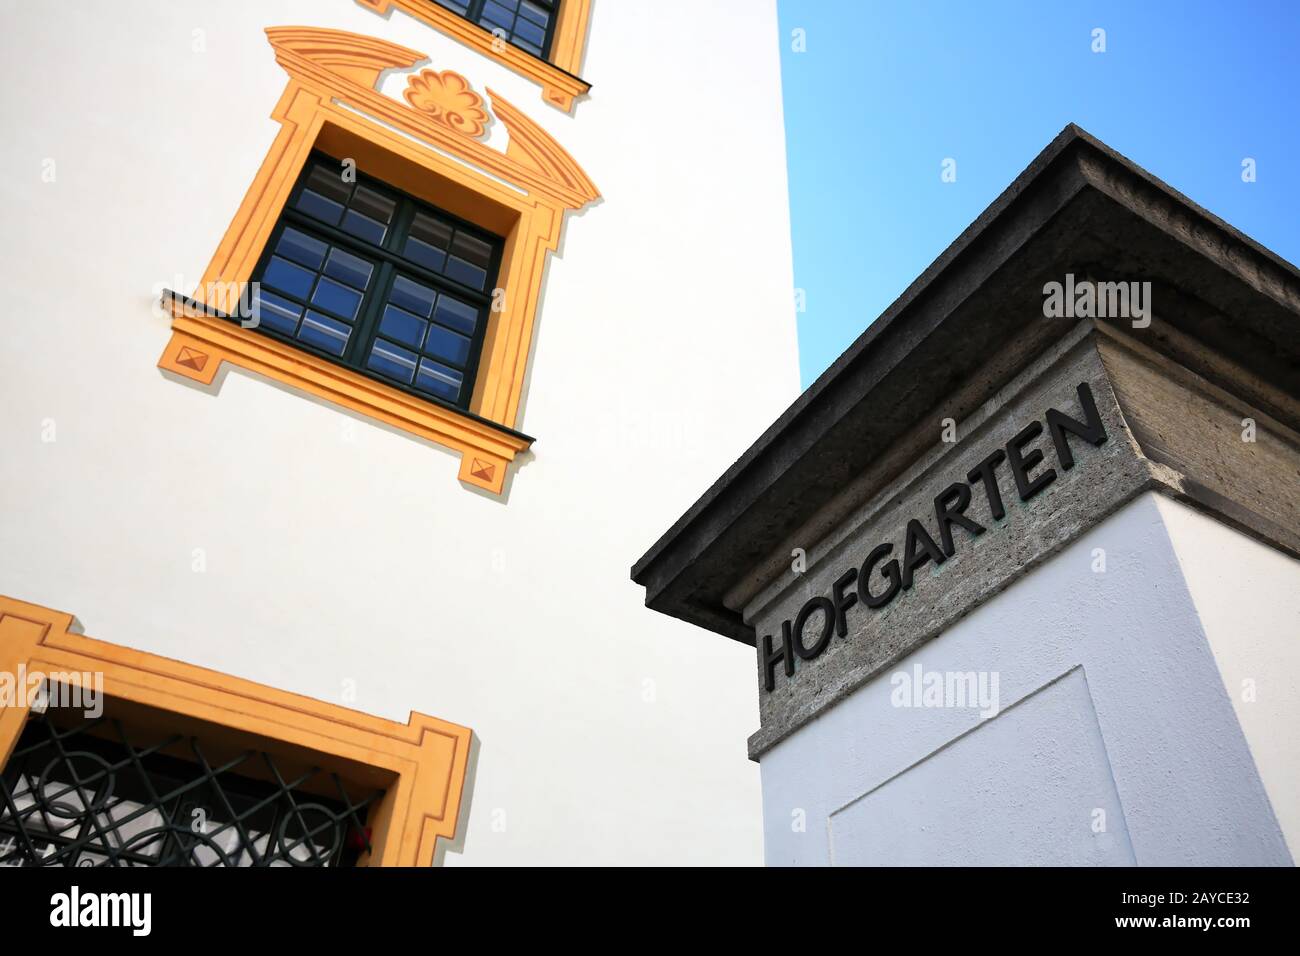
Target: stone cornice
x=1227, y=311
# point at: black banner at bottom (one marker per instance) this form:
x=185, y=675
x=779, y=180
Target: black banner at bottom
x=369, y=905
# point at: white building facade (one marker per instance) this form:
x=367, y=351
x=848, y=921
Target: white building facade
x=1133, y=719
x=237, y=514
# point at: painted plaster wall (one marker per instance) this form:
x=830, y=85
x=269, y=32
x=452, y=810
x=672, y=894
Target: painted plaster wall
x=1248, y=599
x=1112, y=712
x=338, y=556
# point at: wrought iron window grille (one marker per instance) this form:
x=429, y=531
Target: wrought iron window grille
x=91, y=795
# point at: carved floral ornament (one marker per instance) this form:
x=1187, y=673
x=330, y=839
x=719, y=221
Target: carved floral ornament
x=441, y=108
x=557, y=74
x=449, y=99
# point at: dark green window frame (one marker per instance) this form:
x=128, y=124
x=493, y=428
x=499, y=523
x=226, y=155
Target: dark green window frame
x=412, y=307
x=515, y=19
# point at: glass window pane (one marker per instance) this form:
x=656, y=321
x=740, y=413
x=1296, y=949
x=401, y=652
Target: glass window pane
x=390, y=360
x=363, y=227
x=427, y=241
x=469, y=260
x=329, y=182
x=324, y=333
x=447, y=345
x=337, y=297
x=301, y=248
x=533, y=12
x=439, y=380
x=462, y=271
x=432, y=231
x=412, y=296
x=284, y=275
x=276, y=312
x=350, y=269
x=472, y=250
x=494, y=15
x=402, y=326
x=314, y=204
x=528, y=32
x=456, y=314
x=373, y=204
x=425, y=255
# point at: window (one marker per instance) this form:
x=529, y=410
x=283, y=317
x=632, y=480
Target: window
x=379, y=282
x=545, y=40
x=133, y=750
x=91, y=793
x=375, y=295
x=528, y=24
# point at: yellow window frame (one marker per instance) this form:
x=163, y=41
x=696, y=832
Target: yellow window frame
x=561, y=85
x=421, y=764
x=430, y=146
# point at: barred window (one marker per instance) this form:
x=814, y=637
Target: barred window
x=379, y=282
x=92, y=793
x=528, y=24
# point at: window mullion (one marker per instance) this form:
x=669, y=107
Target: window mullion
x=469, y=253
x=368, y=321
x=402, y=218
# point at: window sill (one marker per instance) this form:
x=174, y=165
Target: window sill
x=202, y=342
x=558, y=80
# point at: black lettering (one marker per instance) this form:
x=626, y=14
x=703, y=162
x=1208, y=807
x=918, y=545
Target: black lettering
x=916, y=534
x=890, y=571
x=985, y=472
x=1020, y=464
x=819, y=603
x=770, y=658
x=1092, y=430
x=948, y=511
x=843, y=601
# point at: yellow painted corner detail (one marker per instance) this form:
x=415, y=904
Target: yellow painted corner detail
x=428, y=146
x=421, y=765
x=558, y=77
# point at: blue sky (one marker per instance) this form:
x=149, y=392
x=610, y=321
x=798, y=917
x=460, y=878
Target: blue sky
x=886, y=91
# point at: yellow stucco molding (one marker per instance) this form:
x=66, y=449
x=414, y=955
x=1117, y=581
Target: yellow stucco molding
x=421, y=764
x=429, y=146
x=558, y=77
